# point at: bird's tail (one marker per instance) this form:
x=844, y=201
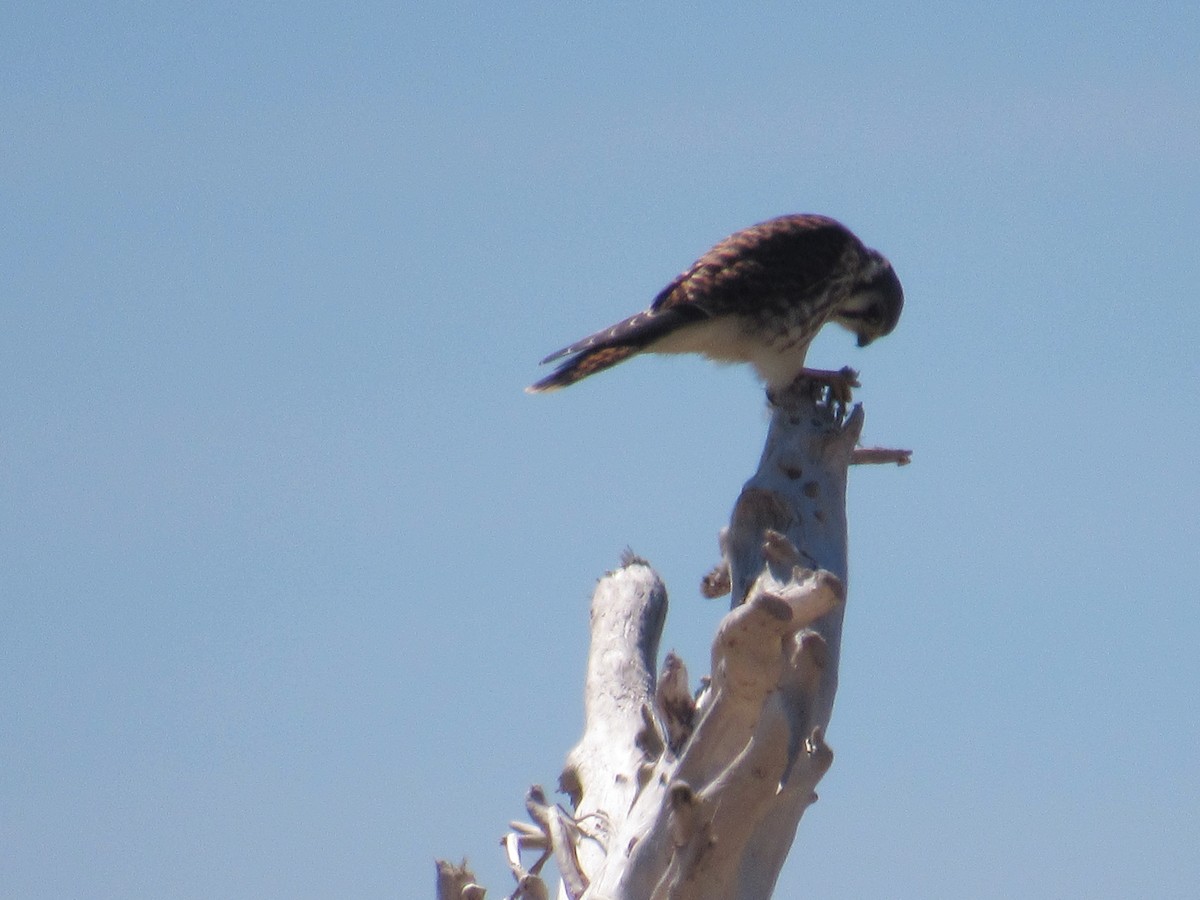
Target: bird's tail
x=581, y=366
x=606, y=348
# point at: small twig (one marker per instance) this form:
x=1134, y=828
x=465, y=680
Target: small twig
x=675, y=702
x=716, y=583
x=561, y=830
x=879, y=456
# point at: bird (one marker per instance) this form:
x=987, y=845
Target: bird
x=759, y=296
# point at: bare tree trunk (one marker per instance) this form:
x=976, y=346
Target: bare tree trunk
x=676, y=797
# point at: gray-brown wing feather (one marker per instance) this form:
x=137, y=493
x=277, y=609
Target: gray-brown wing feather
x=788, y=258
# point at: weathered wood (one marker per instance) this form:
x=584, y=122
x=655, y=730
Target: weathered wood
x=682, y=797
x=455, y=881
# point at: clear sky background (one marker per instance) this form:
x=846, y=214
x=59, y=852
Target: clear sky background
x=294, y=578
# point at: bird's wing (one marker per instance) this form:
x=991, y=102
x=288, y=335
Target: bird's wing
x=791, y=256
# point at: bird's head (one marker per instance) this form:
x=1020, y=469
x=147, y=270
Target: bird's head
x=872, y=308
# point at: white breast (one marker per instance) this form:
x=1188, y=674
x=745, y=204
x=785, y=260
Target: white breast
x=724, y=340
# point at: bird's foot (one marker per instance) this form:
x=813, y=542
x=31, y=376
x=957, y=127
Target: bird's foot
x=827, y=385
x=840, y=384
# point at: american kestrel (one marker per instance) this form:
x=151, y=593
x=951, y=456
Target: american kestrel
x=759, y=296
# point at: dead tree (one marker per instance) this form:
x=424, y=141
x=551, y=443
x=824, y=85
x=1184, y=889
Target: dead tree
x=676, y=795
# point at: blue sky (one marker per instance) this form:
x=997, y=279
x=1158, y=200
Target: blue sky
x=294, y=577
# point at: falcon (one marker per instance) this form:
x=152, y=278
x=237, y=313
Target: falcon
x=760, y=296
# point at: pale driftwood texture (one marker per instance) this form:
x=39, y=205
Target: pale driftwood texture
x=675, y=797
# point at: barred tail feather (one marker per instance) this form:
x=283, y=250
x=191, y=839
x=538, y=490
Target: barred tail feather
x=612, y=345
x=581, y=366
